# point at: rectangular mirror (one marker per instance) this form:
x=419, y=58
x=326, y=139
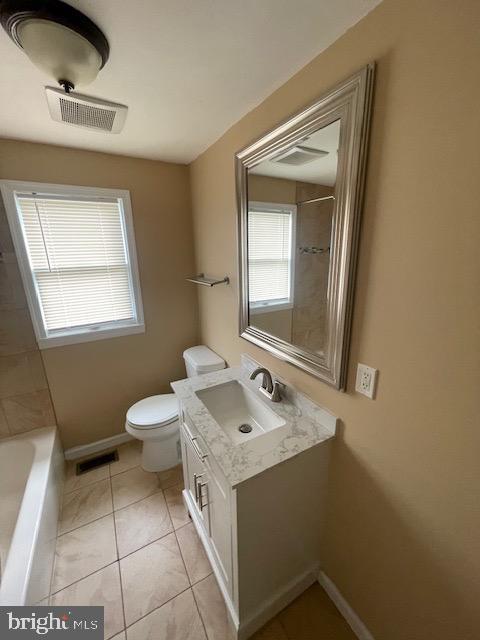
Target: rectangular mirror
x=299, y=191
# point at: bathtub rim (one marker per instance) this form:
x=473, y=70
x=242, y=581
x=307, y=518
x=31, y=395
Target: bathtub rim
x=16, y=574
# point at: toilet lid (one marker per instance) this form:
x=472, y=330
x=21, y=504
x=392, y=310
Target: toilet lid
x=155, y=410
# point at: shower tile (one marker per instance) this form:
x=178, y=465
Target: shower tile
x=4, y=430
x=6, y=244
x=12, y=294
x=21, y=373
x=84, y=551
x=29, y=411
x=16, y=332
x=86, y=504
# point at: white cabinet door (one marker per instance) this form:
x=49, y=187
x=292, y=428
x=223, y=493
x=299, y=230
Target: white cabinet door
x=220, y=528
x=195, y=476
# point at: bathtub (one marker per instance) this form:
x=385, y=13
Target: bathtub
x=31, y=478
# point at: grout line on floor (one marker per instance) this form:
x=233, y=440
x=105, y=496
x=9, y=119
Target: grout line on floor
x=183, y=559
x=146, y=545
x=200, y=613
x=119, y=569
x=114, y=523
x=181, y=553
x=109, y=564
x=64, y=533
x=90, y=484
x=159, y=607
x=159, y=489
x=118, y=559
x=115, y=510
x=135, y=466
x=140, y=500
x=157, y=473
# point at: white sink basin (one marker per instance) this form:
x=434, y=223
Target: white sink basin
x=232, y=405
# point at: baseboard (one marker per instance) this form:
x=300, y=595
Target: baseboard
x=357, y=626
x=95, y=447
x=281, y=599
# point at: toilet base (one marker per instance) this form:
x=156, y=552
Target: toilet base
x=157, y=457
x=161, y=446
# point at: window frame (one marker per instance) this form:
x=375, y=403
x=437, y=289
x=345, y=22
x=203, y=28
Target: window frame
x=269, y=306
x=85, y=333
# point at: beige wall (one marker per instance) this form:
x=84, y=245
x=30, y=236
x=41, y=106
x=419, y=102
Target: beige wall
x=278, y=323
x=267, y=189
x=93, y=384
x=402, y=540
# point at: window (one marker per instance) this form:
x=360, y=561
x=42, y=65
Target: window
x=271, y=256
x=76, y=252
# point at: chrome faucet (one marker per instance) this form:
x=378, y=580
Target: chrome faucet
x=270, y=388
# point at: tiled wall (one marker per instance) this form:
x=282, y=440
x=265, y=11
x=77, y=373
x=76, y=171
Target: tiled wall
x=314, y=225
x=25, y=401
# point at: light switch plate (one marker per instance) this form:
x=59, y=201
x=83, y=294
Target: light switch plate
x=366, y=380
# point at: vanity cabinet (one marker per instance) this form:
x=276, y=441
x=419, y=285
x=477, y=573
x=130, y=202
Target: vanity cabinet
x=195, y=477
x=262, y=536
x=208, y=500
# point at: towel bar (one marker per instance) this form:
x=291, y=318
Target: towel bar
x=208, y=282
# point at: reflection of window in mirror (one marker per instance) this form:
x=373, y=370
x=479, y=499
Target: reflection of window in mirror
x=271, y=256
x=299, y=191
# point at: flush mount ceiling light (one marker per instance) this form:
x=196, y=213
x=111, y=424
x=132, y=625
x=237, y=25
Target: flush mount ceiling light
x=57, y=38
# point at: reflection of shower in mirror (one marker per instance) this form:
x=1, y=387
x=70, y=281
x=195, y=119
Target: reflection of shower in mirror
x=299, y=191
x=314, y=250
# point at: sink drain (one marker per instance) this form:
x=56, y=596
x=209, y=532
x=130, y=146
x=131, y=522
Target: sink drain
x=245, y=428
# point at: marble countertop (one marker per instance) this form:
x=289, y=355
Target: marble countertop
x=307, y=425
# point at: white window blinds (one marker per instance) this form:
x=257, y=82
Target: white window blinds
x=269, y=254
x=79, y=260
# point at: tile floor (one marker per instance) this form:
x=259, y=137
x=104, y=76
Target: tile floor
x=126, y=542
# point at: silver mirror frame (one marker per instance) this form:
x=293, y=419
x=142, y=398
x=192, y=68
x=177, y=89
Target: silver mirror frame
x=350, y=102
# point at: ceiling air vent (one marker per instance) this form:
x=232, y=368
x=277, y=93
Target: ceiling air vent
x=299, y=155
x=86, y=112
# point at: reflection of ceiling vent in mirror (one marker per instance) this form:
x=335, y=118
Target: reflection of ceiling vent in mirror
x=299, y=155
x=86, y=112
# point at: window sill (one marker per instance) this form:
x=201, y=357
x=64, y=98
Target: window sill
x=269, y=308
x=62, y=340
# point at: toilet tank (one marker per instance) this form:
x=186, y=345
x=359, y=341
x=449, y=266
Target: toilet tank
x=200, y=360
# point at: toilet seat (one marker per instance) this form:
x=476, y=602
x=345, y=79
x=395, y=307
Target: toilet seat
x=154, y=412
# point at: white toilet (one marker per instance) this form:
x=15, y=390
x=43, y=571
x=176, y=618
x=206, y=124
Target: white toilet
x=154, y=420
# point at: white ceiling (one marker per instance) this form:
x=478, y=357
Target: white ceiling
x=187, y=69
x=319, y=171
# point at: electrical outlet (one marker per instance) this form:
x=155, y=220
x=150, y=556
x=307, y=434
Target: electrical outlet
x=366, y=380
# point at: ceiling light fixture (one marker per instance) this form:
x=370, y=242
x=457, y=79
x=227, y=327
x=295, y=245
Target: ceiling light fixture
x=57, y=38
